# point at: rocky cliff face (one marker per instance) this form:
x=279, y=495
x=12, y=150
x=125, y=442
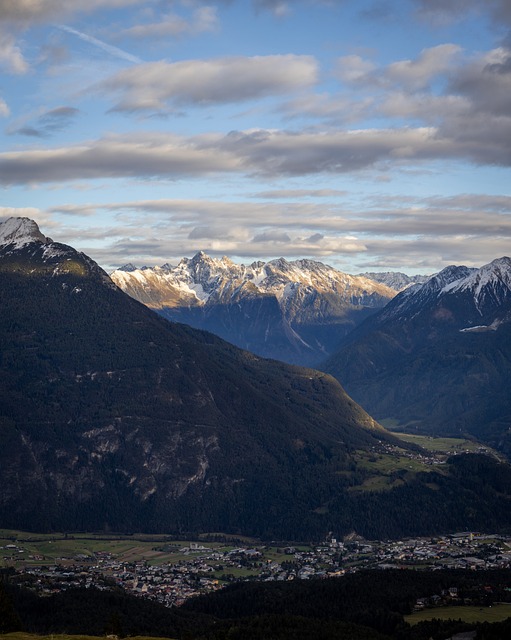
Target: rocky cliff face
x=295, y=311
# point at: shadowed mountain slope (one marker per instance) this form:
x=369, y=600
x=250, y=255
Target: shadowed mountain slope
x=437, y=358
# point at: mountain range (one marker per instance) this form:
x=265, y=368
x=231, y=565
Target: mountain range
x=113, y=418
x=395, y=279
x=437, y=358
x=295, y=311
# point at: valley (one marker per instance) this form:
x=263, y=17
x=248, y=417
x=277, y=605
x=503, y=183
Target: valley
x=170, y=571
x=255, y=320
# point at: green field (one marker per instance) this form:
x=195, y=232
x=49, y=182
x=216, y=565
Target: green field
x=34, y=549
x=389, y=470
x=441, y=445
x=389, y=463
x=496, y=613
x=58, y=548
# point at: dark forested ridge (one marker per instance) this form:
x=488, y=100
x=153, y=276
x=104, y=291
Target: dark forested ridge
x=375, y=599
x=368, y=605
x=112, y=416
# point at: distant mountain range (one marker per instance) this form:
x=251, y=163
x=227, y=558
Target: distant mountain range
x=395, y=279
x=296, y=311
x=112, y=418
x=437, y=358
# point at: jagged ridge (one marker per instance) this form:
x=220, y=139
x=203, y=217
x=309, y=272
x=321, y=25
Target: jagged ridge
x=296, y=311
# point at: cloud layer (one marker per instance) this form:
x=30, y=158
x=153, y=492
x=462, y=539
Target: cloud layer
x=369, y=134
x=204, y=82
x=384, y=232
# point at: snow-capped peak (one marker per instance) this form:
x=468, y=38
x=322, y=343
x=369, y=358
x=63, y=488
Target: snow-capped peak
x=395, y=279
x=447, y=277
x=205, y=280
x=489, y=288
x=20, y=231
x=493, y=280
x=410, y=300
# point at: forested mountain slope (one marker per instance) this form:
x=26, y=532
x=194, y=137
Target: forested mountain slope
x=437, y=358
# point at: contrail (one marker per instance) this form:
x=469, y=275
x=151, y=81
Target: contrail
x=108, y=48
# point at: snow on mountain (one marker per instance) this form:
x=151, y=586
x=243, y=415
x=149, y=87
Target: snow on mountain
x=482, y=292
x=20, y=231
x=490, y=285
x=415, y=297
x=437, y=358
x=295, y=311
x=395, y=279
x=202, y=279
x=23, y=246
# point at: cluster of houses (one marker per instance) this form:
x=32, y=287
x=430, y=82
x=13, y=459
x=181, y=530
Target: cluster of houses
x=200, y=569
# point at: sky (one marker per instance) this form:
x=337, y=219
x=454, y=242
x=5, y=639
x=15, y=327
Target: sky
x=371, y=135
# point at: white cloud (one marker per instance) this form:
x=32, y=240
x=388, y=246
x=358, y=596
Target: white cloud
x=391, y=231
x=443, y=11
x=4, y=108
x=414, y=74
x=262, y=152
x=425, y=107
x=43, y=10
x=465, y=100
x=486, y=82
x=354, y=68
x=290, y=194
x=11, y=57
x=41, y=217
x=279, y=8
x=19, y=212
x=204, y=19
x=284, y=153
x=418, y=73
x=117, y=156
x=46, y=123
x=153, y=85
x=334, y=109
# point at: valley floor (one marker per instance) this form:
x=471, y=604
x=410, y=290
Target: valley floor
x=171, y=571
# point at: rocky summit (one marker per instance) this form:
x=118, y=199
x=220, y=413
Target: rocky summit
x=296, y=311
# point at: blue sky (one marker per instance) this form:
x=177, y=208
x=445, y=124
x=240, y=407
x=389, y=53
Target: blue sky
x=369, y=135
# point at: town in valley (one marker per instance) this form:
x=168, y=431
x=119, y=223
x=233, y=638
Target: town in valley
x=170, y=571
